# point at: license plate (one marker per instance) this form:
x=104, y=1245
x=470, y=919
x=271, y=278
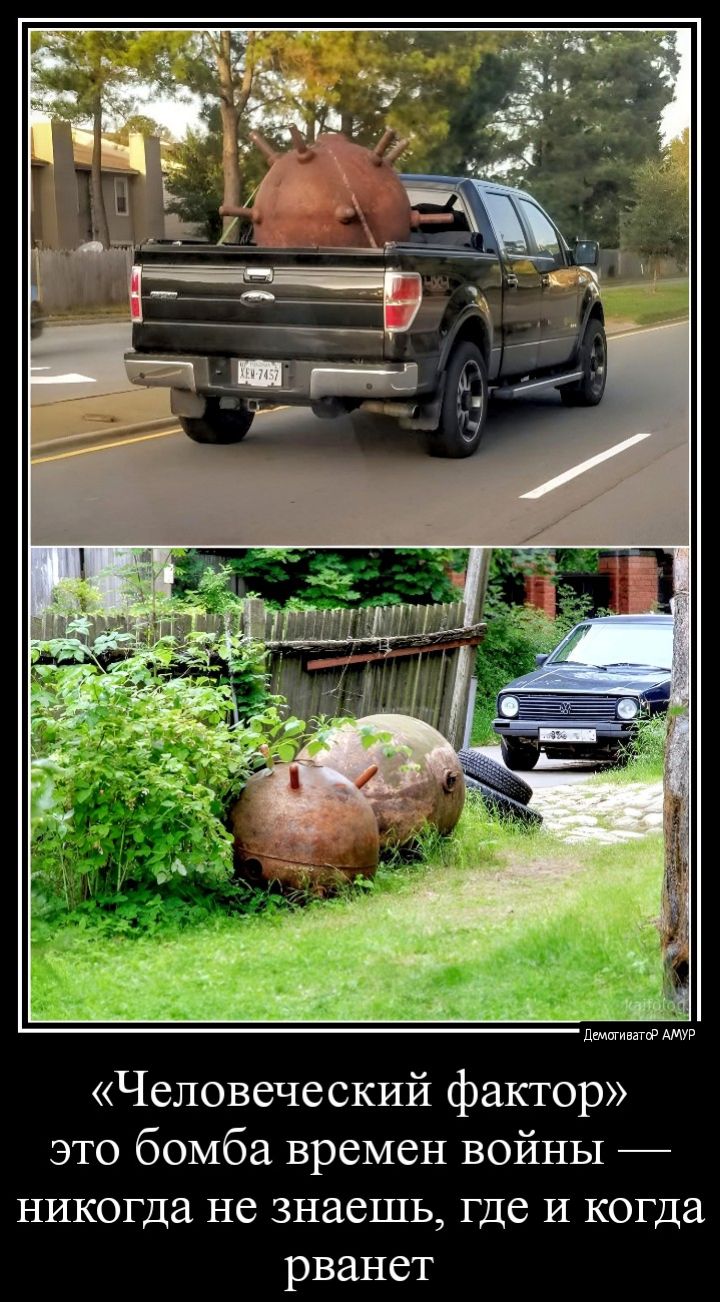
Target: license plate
x=263, y=375
x=568, y=734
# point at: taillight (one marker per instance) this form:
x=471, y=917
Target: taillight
x=136, y=294
x=403, y=296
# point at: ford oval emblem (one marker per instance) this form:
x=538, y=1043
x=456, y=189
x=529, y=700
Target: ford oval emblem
x=257, y=296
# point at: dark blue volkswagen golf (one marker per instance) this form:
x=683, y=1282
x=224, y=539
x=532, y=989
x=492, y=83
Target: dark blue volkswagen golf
x=586, y=697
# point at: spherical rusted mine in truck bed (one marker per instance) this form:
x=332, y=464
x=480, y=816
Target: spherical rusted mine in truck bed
x=332, y=193
x=306, y=827
x=421, y=784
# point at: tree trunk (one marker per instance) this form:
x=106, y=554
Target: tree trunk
x=100, y=227
x=229, y=116
x=347, y=122
x=675, y=894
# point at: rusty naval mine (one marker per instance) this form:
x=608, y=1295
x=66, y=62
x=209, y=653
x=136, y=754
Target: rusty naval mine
x=420, y=784
x=306, y=827
x=332, y=193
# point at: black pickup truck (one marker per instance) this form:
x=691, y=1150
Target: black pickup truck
x=495, y=302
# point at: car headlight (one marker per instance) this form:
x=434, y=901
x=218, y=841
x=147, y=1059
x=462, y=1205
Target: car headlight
x=627, y=708
x=509, y=706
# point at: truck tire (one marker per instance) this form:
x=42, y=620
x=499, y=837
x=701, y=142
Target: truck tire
x=494, y=775
x=517, y=756
x=219, y=424
x=502, y=805
x=464, y=406
x=592, y=358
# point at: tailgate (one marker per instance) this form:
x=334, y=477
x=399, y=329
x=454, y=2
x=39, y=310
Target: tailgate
x=299, y=303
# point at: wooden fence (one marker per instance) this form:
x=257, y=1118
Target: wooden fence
x=72, y=279
x=376, y=660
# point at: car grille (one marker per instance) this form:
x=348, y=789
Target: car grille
x=545, y=705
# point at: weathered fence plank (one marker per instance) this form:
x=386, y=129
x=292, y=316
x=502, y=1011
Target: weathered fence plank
x=401, y=678
x=71, y=279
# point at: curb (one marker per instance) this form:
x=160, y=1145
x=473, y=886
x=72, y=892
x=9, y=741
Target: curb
x=50, y=321
x=654, y=325
x=97, y=435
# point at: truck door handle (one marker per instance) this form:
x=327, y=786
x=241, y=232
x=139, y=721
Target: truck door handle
x=511, y=280
x=545, y=279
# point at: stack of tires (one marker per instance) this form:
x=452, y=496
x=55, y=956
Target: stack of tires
x=503, y=792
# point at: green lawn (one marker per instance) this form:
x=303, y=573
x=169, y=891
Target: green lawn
x=510, y=925
x=639, y=304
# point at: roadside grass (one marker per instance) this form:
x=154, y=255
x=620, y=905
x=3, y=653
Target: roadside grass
x=493, y=923
x=643, y=306
x=646, y=760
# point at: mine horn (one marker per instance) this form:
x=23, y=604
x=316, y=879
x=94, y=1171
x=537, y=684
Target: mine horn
x=265, y=147
x=301, y=145
x=383, y=143
x=396, y=150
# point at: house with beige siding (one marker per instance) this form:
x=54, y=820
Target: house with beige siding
x=60, y=164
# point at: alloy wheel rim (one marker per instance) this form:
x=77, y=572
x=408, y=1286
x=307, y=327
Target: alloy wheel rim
x=597, y=363
x=470, y=401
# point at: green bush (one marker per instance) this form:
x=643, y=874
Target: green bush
x=134, y=760
x=76, y=597
x=511, y=643
x=316, y=578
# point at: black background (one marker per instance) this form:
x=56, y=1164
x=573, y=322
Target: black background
x=60, y=1071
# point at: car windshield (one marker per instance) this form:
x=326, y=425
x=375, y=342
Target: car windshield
x=603, y=645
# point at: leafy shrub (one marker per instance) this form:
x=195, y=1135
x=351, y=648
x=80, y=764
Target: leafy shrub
x=135, y=763
x=135, y=760
x=312, y=578
x=76, y=597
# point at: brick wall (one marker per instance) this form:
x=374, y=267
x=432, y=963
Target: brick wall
x=540, y=592
x=633, y=582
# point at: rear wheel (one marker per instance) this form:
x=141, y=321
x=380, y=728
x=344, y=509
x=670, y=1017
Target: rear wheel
x=518, y=756
x=464, y=407
x=593, y=360
x=218, y=424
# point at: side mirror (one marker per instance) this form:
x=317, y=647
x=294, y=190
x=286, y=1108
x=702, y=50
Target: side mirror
x=540, y=660
x=587, y=253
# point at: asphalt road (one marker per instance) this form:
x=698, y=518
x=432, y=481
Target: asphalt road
x=303, y=481
x=79, y=361
x=550, y=773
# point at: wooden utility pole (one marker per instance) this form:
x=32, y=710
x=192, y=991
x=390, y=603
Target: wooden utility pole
x=475, y=585
x=676, y=882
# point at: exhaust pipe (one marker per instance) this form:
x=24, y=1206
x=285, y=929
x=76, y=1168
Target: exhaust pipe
x=401, y=410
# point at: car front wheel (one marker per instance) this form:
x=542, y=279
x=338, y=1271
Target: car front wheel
x=518, y=756
x=592, y=361
x=218, y=424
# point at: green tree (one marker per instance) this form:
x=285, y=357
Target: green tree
x=145, y=125
x=194, y=174
x=585, y=114
x=194, y=180
x=84, y=76
x=220, y=66
x=659, y=224
x=437, y=88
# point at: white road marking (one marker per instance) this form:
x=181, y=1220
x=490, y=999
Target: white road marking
x=72, y=377
x=583, y=466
